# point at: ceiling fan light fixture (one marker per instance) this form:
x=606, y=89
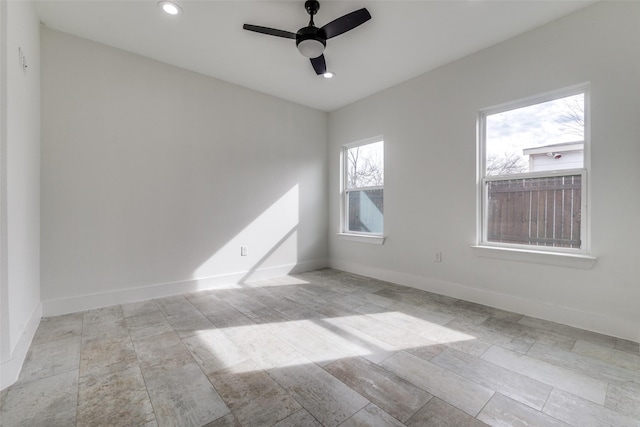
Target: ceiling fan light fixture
x=311, y=48
x=170, y=7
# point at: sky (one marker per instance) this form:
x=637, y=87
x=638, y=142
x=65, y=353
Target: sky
x=370, y=156
x=533, y=126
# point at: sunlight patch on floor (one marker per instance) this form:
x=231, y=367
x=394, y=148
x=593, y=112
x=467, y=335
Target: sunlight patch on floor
x=325, y=340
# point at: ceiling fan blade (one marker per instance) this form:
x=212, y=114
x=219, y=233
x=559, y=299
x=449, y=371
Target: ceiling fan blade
x=270, y=31
x=319, y=65
x=346, y=23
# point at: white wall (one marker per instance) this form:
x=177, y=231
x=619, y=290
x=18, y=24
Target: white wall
x=429, y=128
x=154, y=176
x=20, y=181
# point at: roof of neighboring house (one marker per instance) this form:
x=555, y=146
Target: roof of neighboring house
x=555, y=148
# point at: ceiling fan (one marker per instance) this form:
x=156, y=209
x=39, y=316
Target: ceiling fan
x=312, y=40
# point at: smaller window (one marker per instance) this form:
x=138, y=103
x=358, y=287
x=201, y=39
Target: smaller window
x=363, y=188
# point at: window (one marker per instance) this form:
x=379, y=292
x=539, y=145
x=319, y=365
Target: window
x=533, y=173
x=363, y=188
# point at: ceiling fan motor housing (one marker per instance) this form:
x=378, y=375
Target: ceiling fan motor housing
x=311, y=41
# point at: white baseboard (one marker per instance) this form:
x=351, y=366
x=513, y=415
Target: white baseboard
x=594, y=322
x=123, y=296
x=10, y=369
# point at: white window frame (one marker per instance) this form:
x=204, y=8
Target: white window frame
x=345, y=233
x=579, y=257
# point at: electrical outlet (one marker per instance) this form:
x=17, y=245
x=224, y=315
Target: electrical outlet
x=243, y=250
x=438, y=257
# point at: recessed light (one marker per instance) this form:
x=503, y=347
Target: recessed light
x=170, y=7
x=328, y=75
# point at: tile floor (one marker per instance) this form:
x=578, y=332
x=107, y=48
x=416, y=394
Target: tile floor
x=324, y=348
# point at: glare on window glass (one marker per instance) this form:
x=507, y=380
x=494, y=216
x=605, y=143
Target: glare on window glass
x=365, y=210
x=546, y=136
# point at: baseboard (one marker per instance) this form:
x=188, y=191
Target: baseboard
x=10, y=369
x=77, y=303
x=594, y=322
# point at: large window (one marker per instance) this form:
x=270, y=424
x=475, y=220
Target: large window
x=533, y=173
x=363, y=188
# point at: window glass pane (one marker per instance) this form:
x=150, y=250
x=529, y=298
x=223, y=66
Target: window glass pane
x=365, y=166
x=540, y=137
x=535, y=211
x=365, y=210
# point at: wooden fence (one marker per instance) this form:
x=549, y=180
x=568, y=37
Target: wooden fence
x=536, y=211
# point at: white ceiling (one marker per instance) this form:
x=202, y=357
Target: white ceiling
x=402, y=40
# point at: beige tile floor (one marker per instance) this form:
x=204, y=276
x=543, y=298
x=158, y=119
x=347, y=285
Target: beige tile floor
x=324, y=348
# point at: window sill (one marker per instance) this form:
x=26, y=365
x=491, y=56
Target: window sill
x=580, y=261
x=362, y=238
